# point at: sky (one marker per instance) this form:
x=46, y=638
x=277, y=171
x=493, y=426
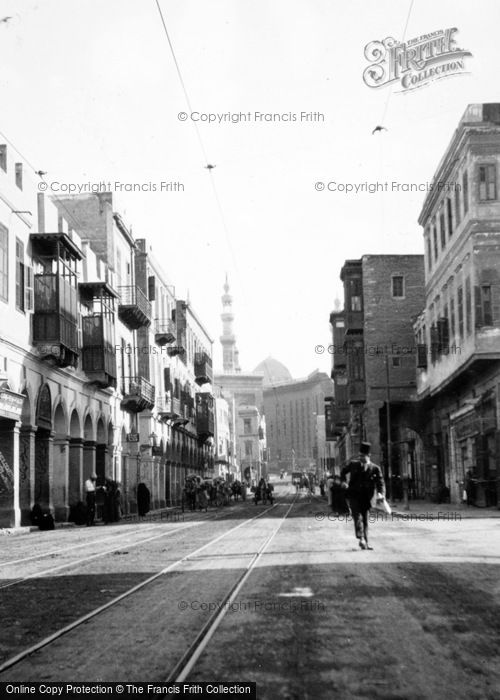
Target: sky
x=90, y=93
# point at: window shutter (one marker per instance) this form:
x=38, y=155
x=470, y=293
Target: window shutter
x=478, y=307
x=421, y=356
x=443, y=335
x=434, y=342
x=151, y=288
x=166, y=379
x=29, y=301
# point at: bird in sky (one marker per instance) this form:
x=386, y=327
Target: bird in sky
x=5, y=20
x=378, y=128
x=210, y=167
x=40, y=172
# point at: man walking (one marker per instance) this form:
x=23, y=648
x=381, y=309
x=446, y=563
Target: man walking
x=90, y=498
x=365, y=479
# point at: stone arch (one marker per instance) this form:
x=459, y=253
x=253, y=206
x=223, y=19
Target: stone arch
x=88, y=447
x=111, y=434
x=74, y=425
x=26, y=456
x=101, y=456
x=60, y=461
x=123, y=470
x=43, y=448
x=44, y=408
x=75, y=460
x=101, y=433
x=60, y=421
x=88, y=429
x=27, y=417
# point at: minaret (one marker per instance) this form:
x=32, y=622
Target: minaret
x=230, y=362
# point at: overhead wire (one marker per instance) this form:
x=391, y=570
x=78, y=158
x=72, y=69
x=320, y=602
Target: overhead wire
x=389, y=94
x=200, y=140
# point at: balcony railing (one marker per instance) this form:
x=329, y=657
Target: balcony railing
x=55, y=329
x=165, y=331
x=138, y=395
x=134, y=309
x=176, y=350
x=203, y=373
x=98, y=351
x=168, y=408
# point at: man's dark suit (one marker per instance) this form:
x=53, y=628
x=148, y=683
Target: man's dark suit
x=364, y=480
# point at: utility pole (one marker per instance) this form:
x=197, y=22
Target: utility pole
x=388, y=427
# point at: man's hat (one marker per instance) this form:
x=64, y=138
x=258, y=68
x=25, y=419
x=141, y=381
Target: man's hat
x=93, y=476
x=365, y=448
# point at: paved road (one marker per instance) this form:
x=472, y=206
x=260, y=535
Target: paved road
x=418, y=617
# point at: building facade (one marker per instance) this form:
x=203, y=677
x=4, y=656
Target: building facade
x=85, y=381
x=294, y=428
x=374, y=356
x=246, y=391
x=458, y=331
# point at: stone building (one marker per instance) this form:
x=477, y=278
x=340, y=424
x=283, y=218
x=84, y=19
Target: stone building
x=459, y=330
x=83, y=367
x=246, y=389
x=374, y=356
x=294, y=428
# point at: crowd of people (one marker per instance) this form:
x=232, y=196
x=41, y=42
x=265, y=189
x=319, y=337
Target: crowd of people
x=103, y=499
x=199, y=494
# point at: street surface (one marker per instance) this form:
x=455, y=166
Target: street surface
x=417, y=618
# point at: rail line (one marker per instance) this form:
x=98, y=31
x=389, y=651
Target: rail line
x=113, y=539
x=14, y=660
x=195, y=650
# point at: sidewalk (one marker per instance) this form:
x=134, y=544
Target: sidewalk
x=172, y=513
x=461, y=510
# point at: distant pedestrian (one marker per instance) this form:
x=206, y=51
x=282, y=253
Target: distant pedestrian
x=364, y=479
x=90, y=490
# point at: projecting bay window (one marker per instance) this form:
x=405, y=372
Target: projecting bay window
x=55, y=321
x=487, y=182
x=98, y=333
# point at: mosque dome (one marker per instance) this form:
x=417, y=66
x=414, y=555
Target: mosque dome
x=274, y=371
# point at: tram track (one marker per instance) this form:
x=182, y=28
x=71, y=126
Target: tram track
x=182, y=668
x=46, y=641
x=82, y=561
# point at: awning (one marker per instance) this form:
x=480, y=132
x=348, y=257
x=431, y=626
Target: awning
x=46, y=243
x=95, y=289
